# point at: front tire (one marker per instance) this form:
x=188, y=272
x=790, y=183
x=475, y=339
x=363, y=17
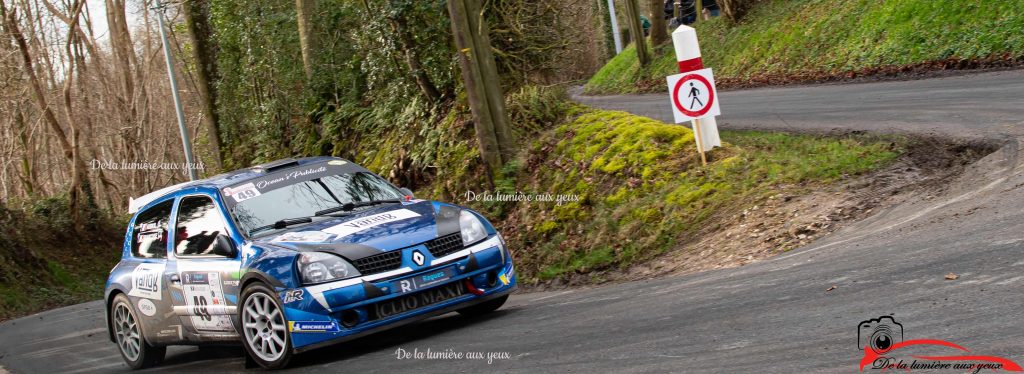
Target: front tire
x=484, y=307
x=264, y=327
x=129, y=336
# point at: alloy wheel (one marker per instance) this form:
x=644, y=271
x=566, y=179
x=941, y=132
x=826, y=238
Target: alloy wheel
x=264, y=327
x=126, y=329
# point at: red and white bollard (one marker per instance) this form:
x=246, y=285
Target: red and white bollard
x=688, y=55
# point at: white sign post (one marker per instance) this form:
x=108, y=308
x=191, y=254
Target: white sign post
x=693, y=92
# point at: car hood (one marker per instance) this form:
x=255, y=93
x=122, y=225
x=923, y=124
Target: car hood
x=372, y=231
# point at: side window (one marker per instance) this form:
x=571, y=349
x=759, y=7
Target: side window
x=199, y=222
x=150, y=231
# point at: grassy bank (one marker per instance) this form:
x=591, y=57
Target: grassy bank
x=642, y=190
x=782, y=39
x=44, y=264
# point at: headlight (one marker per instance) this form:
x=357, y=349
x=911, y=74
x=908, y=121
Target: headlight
x=319, y=267
x=502, y=248
x=471, y=227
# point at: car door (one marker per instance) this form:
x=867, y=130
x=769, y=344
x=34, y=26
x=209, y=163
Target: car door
x=144, y=281
x=204, y=268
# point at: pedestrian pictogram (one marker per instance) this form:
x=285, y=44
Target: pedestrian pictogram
x=693, y=95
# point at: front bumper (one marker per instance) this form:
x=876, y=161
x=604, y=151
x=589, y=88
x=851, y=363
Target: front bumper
x=338, y=311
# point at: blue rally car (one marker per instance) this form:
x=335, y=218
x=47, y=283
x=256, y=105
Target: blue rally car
x=294, y=255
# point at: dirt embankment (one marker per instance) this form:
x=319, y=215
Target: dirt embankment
x=792, y=218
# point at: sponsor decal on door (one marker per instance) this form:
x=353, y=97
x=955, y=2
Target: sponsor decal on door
x=204, y=297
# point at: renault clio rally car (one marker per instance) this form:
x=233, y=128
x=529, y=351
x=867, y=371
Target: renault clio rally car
x=294, y=255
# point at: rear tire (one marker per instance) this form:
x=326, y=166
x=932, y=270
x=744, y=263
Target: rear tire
x=264, y=328
x=484, y=307
x=130, y=338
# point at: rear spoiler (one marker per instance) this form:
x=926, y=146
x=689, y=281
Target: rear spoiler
x=136, y=204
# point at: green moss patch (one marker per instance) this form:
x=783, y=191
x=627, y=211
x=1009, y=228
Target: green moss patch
x=642, y=190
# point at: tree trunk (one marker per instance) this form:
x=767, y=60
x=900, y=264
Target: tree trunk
x=28, y=172
x=659, y=33
x=475, y=91
x=305, y=9
x=204, y=52
x=734, y=10
x=78, y=191
x=491, y=80
x=604, y=23
x=636, y=30
x=120, y=44
x=412, y=59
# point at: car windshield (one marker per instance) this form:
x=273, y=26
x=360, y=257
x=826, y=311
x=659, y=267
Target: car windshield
x=259, y=210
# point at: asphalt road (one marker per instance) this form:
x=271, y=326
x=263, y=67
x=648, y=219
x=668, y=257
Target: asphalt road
x=964, y=106
x=771, y=316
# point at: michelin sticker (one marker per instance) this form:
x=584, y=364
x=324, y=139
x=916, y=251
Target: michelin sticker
x=304, y=237
x=147, y=307
x=312, y=326
x=204, y=297
x=146, y=281
x=365, y=223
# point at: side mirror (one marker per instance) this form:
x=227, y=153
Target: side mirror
x=406, y=192
x=224, y=246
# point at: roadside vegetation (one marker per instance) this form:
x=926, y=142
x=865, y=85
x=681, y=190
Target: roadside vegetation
x=782, y=41
x=45, y=264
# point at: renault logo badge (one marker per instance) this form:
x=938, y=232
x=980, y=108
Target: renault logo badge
x=418, y=258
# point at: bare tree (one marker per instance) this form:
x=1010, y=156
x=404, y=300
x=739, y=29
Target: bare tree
x=11, y=23
x=72, y=104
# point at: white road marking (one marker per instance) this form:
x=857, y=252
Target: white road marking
x=915, y=216
x=588, y=300
x=111, y=365
x=550, y=296
x=1008, y=241
x=66, y=336
x=101, y=358
x=56, y=350
x=1008, y=281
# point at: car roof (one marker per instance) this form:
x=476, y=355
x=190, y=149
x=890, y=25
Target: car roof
x=226, y=179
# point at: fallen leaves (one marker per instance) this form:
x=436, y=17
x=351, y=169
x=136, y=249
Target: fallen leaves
x=952, y=276
x=831, y=288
